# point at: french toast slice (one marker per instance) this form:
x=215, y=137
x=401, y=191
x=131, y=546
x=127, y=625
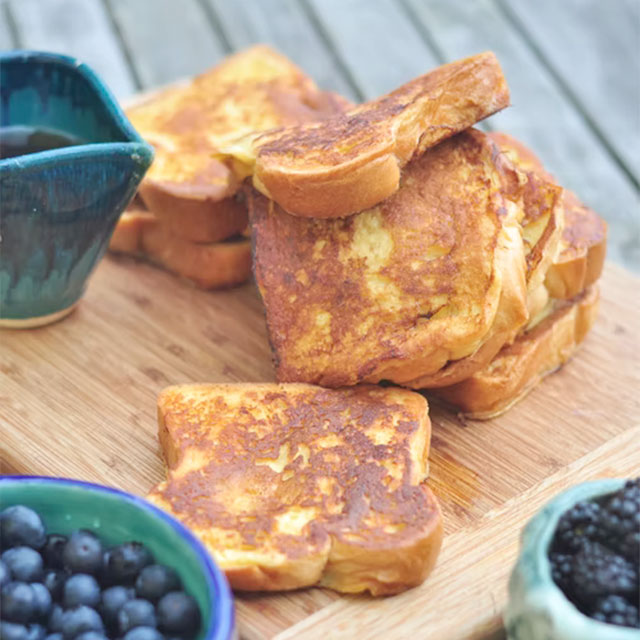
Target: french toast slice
x=519, y=367
x=397, y=291
x=351, y=162
x=537, y=204
x=583, y=245
x=293, y=485
x=209, y=266
x=252, y=91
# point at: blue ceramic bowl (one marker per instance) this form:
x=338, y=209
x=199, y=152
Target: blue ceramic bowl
x=117, y=517
x=59, y=207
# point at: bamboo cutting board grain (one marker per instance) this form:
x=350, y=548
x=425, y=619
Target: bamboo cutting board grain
x=78, y=399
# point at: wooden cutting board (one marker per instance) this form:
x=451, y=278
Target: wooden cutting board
x=78, y=399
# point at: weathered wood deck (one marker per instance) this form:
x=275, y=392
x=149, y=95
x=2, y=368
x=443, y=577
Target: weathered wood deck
x=573, y=65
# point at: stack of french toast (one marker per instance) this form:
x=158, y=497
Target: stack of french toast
x=189, y=215
x=396, y=248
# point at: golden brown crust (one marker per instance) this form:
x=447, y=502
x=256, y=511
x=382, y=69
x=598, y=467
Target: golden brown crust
x=209, y=266
x=582, y=255
x=352, y=568
x=352, y=162
x=201, y=221
x=397, y=291
x=541, y=220
x=583, y=245
x=249, y=92
x=518, y=368
x=292, y=485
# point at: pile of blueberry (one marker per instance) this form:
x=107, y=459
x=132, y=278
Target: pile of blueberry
x=595, y=556
x=56, y=587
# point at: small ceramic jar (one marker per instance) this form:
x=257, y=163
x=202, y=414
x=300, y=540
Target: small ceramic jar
x=537, y=608
x=58, y=207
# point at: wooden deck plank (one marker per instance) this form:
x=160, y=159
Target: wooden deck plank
x=6, y=37
x=80, y=28
x=540, y=114
x=594, y=47
x=167, y=40
x=285, y=25
x=376, y=41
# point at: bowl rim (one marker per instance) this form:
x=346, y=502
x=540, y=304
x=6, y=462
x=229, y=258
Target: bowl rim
x=222, y=625
x=134, y=142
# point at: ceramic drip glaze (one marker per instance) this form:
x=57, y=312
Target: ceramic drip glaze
x=59, y=207
x=117, y=517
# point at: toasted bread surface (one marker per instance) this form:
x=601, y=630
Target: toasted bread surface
x=352, y=162
x=583, y=251
x=209, y=266
x=397, y=291
x=201, y=221
x=519, y=367
x=583, y=243
x=294, y=485
x=537, y=204
x=251, y=91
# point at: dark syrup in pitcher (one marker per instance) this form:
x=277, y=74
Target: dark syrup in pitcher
x=21, y=140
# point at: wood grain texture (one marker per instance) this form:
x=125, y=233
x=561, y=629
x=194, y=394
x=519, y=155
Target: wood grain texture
x=167, y=40
x=594, y=47
x=78, y=398
x=78, y=28
x=541, y=115
x=376, y=41
x=285, y=25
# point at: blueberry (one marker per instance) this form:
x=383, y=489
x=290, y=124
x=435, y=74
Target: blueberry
x=21, y=526
x=17, y=602
x=155, y=581
x=55, y=619
x=54, y=636
x=81, y=588
x=143, y=633
x=125, y=562
x=36, y=632
x=83, y=553
x=112, y=601
x=91, y=635
x=54, y=581
x=105, y=564
x=80, y=619
x=178, y=614
x=13, y=631
x=24, y=563
x=5, y=574
x=42, y=600
x=136, y=613
x=53, y=550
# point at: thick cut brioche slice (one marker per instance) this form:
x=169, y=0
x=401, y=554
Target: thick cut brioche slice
x=537, y=204
x=249, y=92
x=397, y=291
x=519, y=367
x=352, y=162
x=294, y=485
x=583, y=244
x=195, y=220
x=209, y=266
x=582, y=253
